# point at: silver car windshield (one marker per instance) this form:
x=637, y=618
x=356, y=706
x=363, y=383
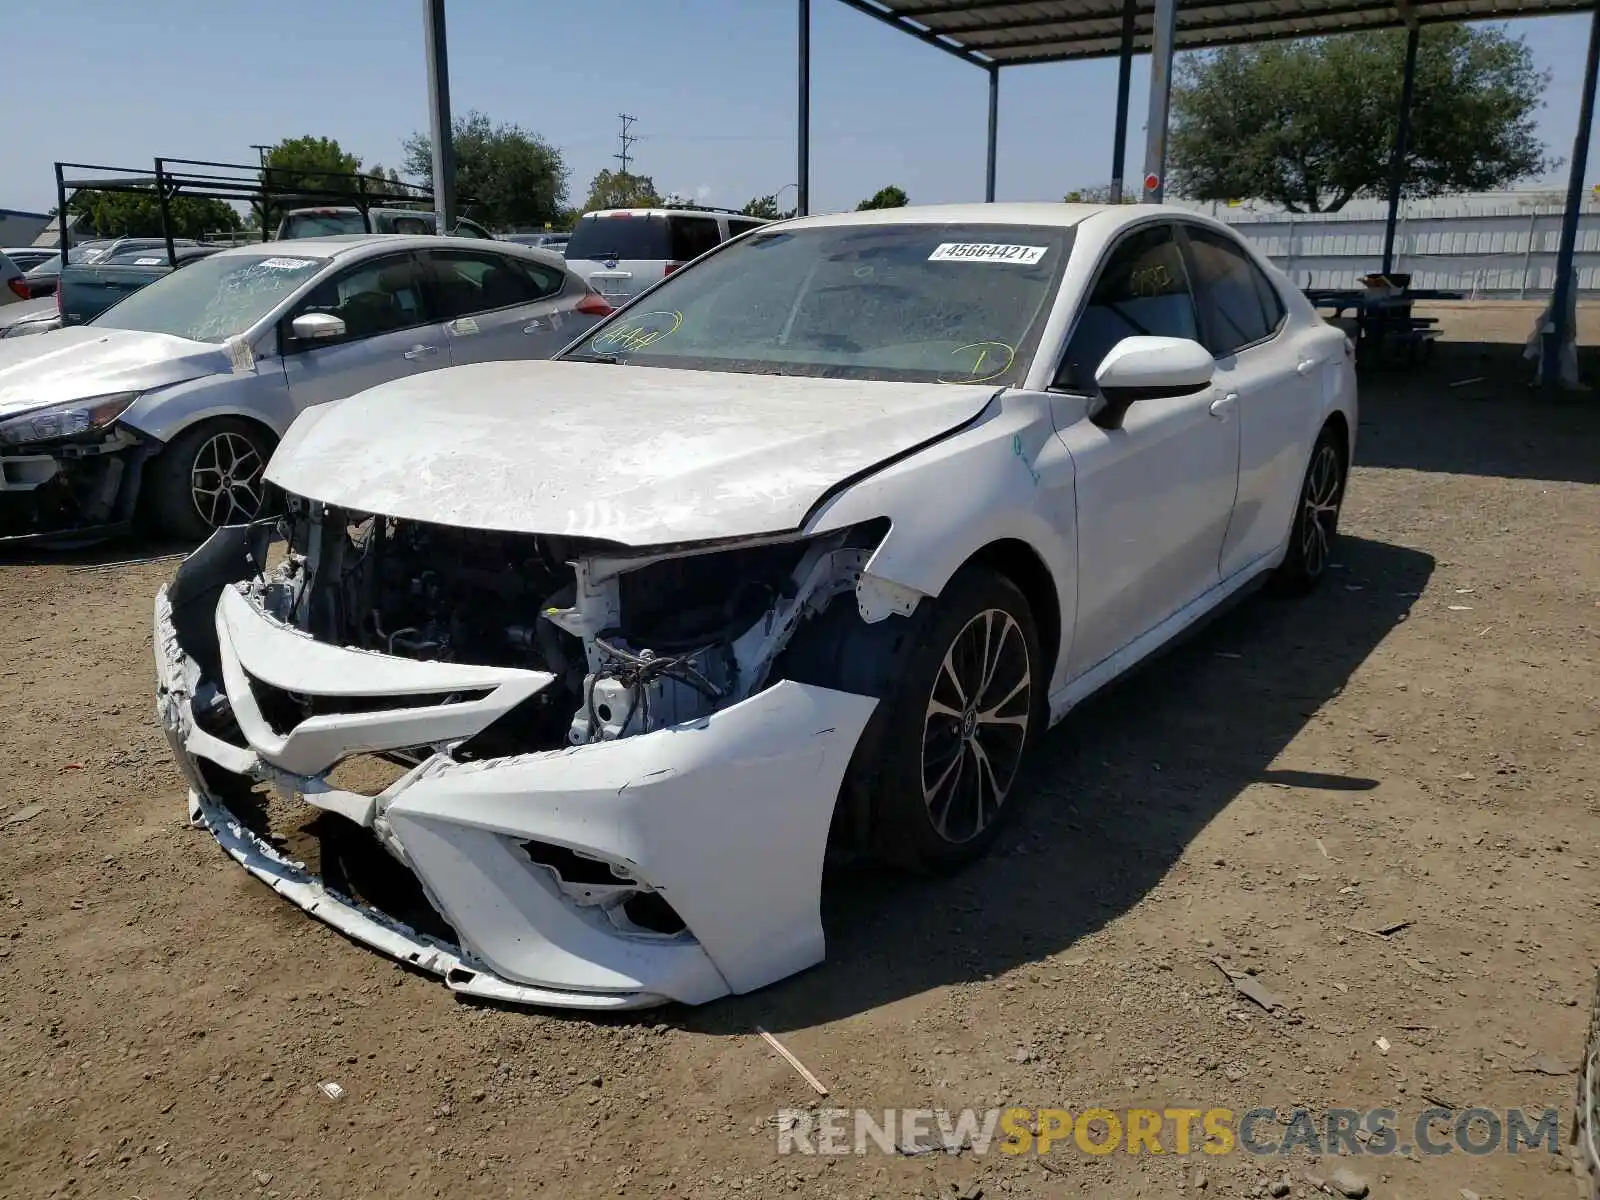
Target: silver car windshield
x=910, y=302
x=214, y=298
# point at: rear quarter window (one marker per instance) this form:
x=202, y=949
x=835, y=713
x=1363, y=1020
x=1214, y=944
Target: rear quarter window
x=693, y=236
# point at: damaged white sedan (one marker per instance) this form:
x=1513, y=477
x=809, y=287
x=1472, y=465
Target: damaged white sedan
x=564, y=676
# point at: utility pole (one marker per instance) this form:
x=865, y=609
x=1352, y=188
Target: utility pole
x=261, y=152
x=628, y=139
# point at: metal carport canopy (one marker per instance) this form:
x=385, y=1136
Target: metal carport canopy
x=994, y=34
x=1004, y=33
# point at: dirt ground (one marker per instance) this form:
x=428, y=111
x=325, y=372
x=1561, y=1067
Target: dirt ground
x=1417, y=743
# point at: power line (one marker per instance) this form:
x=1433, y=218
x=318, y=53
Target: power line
x=628, y=139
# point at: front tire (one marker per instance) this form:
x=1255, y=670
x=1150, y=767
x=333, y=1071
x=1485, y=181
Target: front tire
x=209, y=476
x=1316, y=519
x=967, y=700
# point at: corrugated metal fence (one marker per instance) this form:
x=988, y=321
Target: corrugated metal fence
x=1494, y=246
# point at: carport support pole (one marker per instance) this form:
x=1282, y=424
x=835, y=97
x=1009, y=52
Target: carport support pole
x=802, y=190
x=444, y=159
x=1119, y=149
x=994, y=133
x=1397, y=158
x=1556, y=331
x=1155, y=134
x=61, y=214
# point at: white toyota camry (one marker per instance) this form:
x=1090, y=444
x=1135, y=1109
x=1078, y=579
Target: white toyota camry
x=565, y=675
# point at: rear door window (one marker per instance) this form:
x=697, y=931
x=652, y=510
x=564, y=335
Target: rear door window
x=1230, y=291
x=469, y=281
x=621, y=237
x=693, y=236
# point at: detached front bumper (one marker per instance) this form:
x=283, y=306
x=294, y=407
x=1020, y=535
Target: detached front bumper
x=722, y=822
x=70, y=492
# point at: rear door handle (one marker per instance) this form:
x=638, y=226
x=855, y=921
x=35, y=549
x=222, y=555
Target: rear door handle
x=537, y=325
x=1305, y=366
x=419, y=351
x=1222, y=407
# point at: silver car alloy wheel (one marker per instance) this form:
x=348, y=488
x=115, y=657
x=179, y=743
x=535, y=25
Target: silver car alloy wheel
x=1321, y=510
x=226, y=481
x=976, y=725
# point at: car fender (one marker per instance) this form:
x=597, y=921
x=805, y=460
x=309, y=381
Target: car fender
x=260, y=395
x=1006, y=477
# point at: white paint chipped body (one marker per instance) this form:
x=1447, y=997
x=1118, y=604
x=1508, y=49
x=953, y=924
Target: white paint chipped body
x=634, y=455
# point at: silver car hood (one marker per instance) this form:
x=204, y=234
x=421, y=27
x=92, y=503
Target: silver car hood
x=637, y=455
x=87, y=360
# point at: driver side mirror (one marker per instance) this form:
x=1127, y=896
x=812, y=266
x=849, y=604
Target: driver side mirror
x=317, y=327
x=1149, y=368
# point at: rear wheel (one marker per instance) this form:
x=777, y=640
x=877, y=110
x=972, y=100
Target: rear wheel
x=1316, y=518
x=209, y=476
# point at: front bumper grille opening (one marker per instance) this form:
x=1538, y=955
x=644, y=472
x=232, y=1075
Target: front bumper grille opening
x=571, y=866
x=650, y=911
x=284, y=710
x=369, y=774
x=341, y=855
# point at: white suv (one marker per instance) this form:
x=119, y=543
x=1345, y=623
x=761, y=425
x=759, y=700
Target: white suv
x=622, y=251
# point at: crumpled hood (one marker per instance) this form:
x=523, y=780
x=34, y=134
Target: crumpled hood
x=638, y=455
x=87, y=360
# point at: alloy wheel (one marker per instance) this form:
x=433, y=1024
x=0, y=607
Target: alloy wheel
x=976, y=725
x=226, y=481
x=1324, y=491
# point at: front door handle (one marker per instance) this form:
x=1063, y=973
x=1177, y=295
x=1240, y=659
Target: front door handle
x=537, y=325
x=1305, y=367
x=1222, y=407
x=420, y=351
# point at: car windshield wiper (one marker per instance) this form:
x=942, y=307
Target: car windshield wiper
x=611, y=359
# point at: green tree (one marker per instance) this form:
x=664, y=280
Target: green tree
x=514, y=178
x=889, y=197
x=308, y=162
x=767, y=208
x=1100, y=194
x=1309, y=125
x=128, y=214
x=621, y=189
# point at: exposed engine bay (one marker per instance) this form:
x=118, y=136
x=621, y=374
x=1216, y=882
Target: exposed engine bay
x=637, y=640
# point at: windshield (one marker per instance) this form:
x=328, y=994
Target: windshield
x=910, y=302
x=320, y=224
x=212, y=299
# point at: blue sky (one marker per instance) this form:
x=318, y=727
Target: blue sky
x=712, y=82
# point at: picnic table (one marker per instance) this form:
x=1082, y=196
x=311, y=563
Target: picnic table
x=1383, y=319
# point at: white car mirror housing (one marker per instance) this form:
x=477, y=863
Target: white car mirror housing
x=317, y=326
x=1150, y=368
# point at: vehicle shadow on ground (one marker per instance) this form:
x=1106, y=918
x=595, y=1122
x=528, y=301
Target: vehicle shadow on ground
x=1470, y=411
x=119, y=551
x=1108, y=803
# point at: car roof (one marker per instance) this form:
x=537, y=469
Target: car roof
x=345, y=245
x=1020, y=213
x=666, y=212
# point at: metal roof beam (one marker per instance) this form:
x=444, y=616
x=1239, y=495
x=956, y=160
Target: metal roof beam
x=894, y=21
x=1187, y=32
x=918, y=11
x=1144, y=14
